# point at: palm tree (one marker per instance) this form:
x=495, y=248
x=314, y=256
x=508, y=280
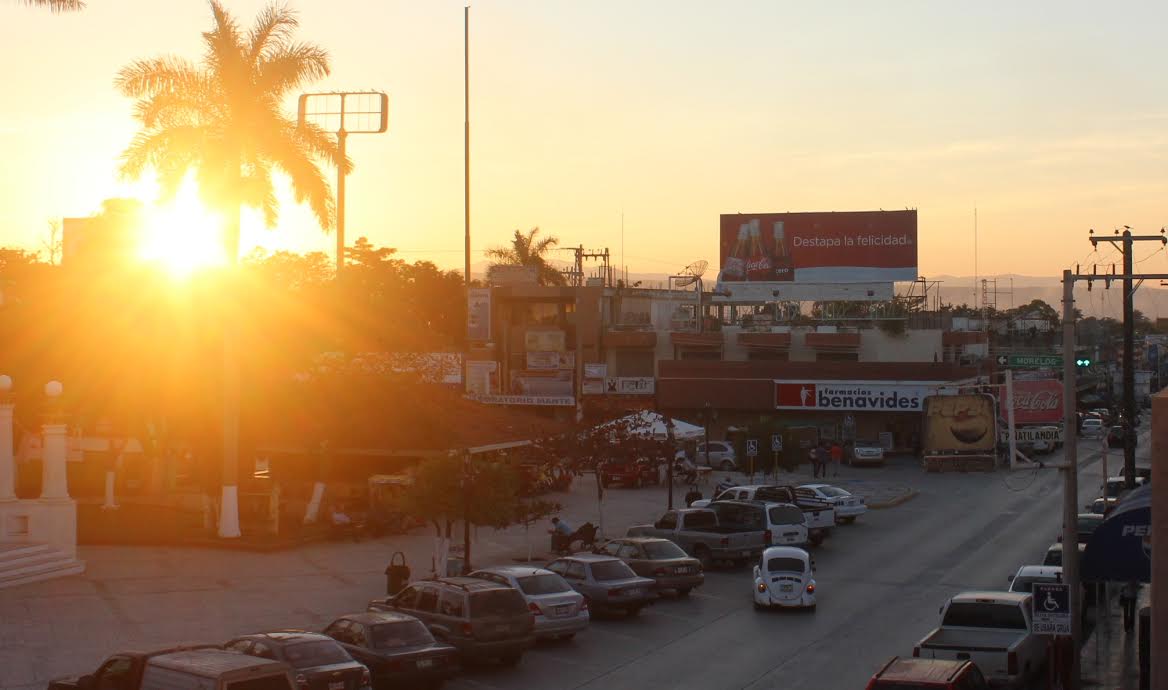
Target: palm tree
x=222, y=120
x=57, y=5
x=526, y=250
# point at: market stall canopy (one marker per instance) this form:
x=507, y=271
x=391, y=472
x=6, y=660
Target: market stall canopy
x=649, y=424
x=1120, y=549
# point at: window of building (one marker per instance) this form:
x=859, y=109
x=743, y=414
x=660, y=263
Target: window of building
x=714, y=355
x=767, y=355
x=837, y=356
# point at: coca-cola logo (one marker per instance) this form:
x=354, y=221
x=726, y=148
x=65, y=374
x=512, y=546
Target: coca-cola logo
x=1037, y=401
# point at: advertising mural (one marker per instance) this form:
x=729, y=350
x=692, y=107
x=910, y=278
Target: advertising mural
x=960, y=424
x=478, y=313
x=821, y=247
x=1038, y=402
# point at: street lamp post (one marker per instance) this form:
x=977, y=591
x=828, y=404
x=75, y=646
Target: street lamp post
x=7, y=459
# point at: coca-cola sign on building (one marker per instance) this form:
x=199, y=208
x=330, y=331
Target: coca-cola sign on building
x=1038, y=402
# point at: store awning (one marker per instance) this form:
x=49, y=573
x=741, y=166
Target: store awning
x=1120, y=550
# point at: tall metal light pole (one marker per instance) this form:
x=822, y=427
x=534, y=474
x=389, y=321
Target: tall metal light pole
x=466, y=137
x=345, y=113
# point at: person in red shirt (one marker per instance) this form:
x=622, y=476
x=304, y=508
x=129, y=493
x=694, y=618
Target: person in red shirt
x=837, y=457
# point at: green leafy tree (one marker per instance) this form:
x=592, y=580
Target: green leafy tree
x=530, y=250
x=223, y=121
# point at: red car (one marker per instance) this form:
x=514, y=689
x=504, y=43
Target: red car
x=911, y=674
x=635, y=474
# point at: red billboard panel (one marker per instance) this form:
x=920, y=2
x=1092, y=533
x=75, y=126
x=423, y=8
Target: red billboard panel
x=819, y=247
x=1038, y=402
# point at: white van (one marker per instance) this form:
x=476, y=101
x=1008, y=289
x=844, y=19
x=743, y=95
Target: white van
x=1093, y=427
x=214, y=669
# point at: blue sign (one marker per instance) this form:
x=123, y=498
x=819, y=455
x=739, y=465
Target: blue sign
x=1120, y=549
x=1051, y=613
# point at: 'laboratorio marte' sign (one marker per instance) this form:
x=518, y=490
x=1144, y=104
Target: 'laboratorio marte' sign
x=853, y=396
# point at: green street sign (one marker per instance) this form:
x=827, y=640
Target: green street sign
x=1031, y=361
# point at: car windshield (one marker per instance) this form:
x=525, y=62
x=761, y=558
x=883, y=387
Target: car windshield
x=833, y=491
x=497, y=602
x=982, y=615
x=785, y=515
x=785, y=565
x=1087, y=525
x=316, y=653
x=611, y=570
x=403, y=634
x=662, y=550
x=543, y=584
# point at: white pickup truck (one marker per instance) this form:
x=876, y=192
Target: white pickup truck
x=819, y=515
x=991, y=629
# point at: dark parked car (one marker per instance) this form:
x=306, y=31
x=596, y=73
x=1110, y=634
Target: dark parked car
x=482, y=619
x=122, y=671
x=659, y=559
x=320, y=662
x=921, y=674
x=1115, y=437
x=398, y=650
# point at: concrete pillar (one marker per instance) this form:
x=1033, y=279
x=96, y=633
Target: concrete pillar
x=1159, y=648
x=7, y=458
x=54, y=482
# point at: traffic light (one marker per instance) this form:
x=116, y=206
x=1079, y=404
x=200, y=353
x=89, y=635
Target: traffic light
x=1083, y=362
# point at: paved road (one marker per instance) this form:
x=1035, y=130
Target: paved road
x=881, y=582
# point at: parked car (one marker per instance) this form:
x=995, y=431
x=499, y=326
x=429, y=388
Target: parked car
x=607, y=583
x=783, y=524
x=1092, y=427
x=698, y=532
x=122, y=671
x=721, y=456
x=1116, y=487
x=818, y=515
x=1054, y=554
x=1086, y=524
x=1103, y=413
x=1102, y=505
x=991, y=629
x=1115, y=437
x=784, y=577
x=1142, y=472
x=560, y=611
x=1023, y=581
x=867, y=453
x=635, y=474
x=664, y=562
x=927, y=674
x=482, y=619
x=397, y=649
x=321, y=663
x=847, y=505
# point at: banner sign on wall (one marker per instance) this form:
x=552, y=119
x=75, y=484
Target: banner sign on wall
x=478, y=313
x=1038, y=402
x=482, y=377
x=543, y=341
x=851, y=396
x=595, y=371
x=960, y=423
x=821, y=247
x=546, y=400
x=543, y=360
x=630, y=385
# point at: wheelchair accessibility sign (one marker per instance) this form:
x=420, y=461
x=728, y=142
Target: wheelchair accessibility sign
x=1052, y=609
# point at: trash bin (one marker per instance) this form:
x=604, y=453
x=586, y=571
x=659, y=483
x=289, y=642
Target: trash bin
x=397, y=575
x=1145, y=642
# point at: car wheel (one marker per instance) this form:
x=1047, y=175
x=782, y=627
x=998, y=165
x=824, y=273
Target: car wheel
x=816, y=539
x=849, y=519
x=683, y=592
x=811, y=609
x=757, y=606
x=511, y=659
x=637, y=483
x=726, y=466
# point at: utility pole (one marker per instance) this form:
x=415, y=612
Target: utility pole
x=1071, y=474
x=466, y=139
x=1126, y=243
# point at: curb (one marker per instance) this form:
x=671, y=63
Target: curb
x=893, y=502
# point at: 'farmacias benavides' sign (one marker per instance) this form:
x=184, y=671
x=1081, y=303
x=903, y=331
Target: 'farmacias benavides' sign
x=852, y=396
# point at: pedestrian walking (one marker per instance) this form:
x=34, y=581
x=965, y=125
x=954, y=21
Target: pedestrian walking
x=1127, y=599
x=837, y=458
x=816, y=455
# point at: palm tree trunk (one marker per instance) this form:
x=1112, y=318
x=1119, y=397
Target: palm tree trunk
x=229, y=505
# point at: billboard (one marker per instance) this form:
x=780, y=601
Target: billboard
x=852, y=396
x=960, y=424
x=820, y=247
x=1038, y=402
x=478, y=313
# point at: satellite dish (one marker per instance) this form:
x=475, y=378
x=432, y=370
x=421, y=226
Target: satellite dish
x=691, y=273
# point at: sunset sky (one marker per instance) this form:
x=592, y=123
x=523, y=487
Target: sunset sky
x=1051, y=117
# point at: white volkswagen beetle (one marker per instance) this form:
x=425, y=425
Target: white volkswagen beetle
x=784, y=577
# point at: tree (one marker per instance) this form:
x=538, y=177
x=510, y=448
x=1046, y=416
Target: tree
x=58, y=5
x=529, y=250
x=223, y=121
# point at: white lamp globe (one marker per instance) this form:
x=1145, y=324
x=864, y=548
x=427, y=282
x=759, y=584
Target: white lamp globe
x=54, y=389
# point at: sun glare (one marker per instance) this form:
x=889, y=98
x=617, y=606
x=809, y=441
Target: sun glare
x=183, y=236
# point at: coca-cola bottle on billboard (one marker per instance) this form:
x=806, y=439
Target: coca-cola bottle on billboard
x=734, y=267
x=781, y=263
x=758, y=263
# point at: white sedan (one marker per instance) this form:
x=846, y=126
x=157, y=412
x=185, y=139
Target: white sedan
x=784, y=577
x=847, y=505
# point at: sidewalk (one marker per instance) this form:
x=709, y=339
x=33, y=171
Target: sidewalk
x=1110, y=657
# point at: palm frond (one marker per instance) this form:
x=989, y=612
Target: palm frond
x=273, y=26
x=58, y=5
x=308, y=181
x=319, y=143
x=502, y=255
x=258, y=191
x=169, y=149
x=292, y=66
x=143, y=78
x=175, y=108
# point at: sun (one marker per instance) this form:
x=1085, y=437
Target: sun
x=183, y=236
